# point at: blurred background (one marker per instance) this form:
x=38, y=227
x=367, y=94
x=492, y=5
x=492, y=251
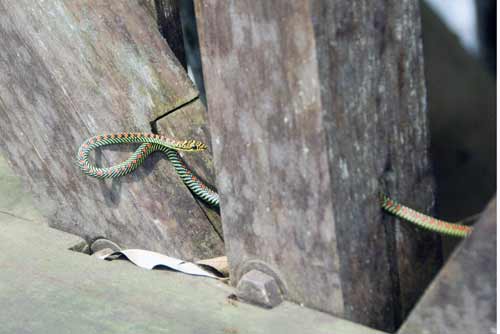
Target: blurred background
x=460, y=66
x=459, y=38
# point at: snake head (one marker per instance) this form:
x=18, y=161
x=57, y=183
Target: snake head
x=192, y=146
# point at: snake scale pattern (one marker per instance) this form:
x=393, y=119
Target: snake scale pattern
x=150, y=143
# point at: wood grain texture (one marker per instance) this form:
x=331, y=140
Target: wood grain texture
x=314, y=107
x=73, y=69
x=373, y=93
x=269, y=144
x=46, y=288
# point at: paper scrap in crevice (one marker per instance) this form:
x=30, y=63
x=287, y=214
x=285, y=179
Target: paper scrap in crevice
x=149, y=260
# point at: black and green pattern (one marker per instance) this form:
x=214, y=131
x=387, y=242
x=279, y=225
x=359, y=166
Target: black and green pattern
x=149, y=144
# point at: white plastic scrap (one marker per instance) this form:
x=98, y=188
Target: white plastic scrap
x=149, y=260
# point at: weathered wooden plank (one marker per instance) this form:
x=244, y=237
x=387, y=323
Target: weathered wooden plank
x=315, y=107
x=264, y=156
x=150, y=6
x=373, y=93
x=192, y=122
x=72, y=69
x=48, y=289
x=15, y=201
x=462, y=298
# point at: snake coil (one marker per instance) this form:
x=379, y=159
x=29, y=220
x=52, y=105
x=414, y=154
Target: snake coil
x=149, y=144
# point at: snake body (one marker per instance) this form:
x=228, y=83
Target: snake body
x=149, y=144
x=153, y=142
x=424, y=221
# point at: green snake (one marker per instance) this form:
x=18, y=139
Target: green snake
x=149, y=143
x=153, y=142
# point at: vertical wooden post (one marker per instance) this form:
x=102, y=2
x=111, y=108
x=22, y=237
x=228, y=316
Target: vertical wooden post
x=315, y=107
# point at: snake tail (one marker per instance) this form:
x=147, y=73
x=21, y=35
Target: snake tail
x=424, y=221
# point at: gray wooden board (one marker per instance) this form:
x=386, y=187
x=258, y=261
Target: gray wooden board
x=462, y=298
x=314, y=107
x=374, y=100
x=15, y=201
x=73, y=69
x=46, y=288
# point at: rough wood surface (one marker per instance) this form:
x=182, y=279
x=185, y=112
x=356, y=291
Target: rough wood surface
x=314, y=107
x=462, y=298
x=46, y=288
x=73, y=69
x=370, y=62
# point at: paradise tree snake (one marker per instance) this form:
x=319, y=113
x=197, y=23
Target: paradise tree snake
x=153, y=142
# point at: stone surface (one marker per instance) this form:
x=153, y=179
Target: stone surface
x=315, y=107
x=259, y=288
x=73, y=69
x=462, y=298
